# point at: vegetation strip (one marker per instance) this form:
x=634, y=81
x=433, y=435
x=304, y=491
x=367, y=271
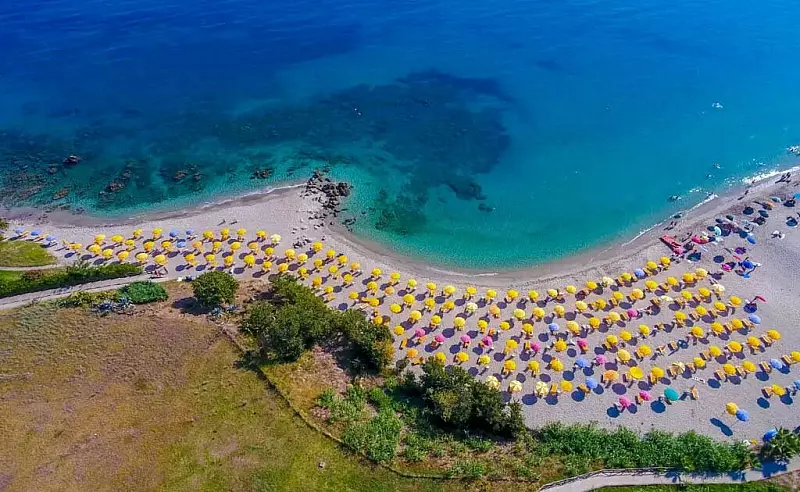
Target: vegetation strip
x=77, y=274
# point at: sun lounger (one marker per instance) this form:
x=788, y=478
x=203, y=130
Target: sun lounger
x=584, y=389
x=554, y=391
x=719, y=374
x=691, y=367
x=765, y=366
x=706, y=355
x=767, y=391
x=766, y=340
x=403, y=343
x=741, y=372
x=788, y=360
x=694, y=393
x=673, y=371
x=673, y=345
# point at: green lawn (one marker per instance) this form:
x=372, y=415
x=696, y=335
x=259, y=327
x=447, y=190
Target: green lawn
x=24, y=254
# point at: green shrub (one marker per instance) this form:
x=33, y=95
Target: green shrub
x=294, y=319
x=87, y=299
x=377, y=438
x=79, y=273
x=347, y=409
x=214, y=289
x=468, y=469
x=144, y=292
x=624, y=448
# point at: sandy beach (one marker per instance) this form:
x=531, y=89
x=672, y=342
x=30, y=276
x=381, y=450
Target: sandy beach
x=295, y=214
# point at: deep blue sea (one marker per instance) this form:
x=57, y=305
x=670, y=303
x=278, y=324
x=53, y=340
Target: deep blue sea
x=477, y=134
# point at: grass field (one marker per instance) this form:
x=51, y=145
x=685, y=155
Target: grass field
x=24, y=254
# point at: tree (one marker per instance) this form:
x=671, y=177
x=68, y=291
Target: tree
x=213, y=289
x=783, y=447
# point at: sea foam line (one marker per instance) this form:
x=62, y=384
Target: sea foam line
x=750, y=180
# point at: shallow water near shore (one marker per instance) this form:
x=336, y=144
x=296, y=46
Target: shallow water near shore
x=476, y=135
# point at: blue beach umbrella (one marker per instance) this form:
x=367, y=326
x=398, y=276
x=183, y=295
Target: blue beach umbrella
x=181, y=243
x=591, y=383
x=797, y=384
x=174, y=233
x=770, y=434
x=754, y=319
x=776, y=364
x=742, y=415
x=582, y=363
x=36, y=232
x=50, y=238
x=19, y=230
x=751, y=239
x=553, y=327
x=639, y=273
x=748, y=264
x=189, y=232
x=717, y=231
x=797, y=196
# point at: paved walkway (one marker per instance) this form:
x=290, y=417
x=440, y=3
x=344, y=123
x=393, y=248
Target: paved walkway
x=47, y=295
x=611, y=478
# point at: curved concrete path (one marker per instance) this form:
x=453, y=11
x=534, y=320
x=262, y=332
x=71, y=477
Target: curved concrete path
x=643, y=477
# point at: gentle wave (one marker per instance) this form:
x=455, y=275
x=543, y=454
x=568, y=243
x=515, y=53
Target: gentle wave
x=755, y=178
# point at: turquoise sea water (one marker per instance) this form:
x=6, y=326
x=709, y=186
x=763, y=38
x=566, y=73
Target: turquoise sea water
x=477, y=134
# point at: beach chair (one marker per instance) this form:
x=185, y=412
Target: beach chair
x=584, y=389
x=694, y=393
x=741, y=372
x=554, y=391
x=403, y=343
x=673, y=371
x=691, y=367
x=748, y=324
x=639, y=400
x=655, y=301
x=788, y=360
x=613, y=302
x=719, y=375
x=661, y=349
x=624, y=316
x=527, y=346
x=673, y=345
x=652, y=379
x=765, y=367
x=766, y=340
x=584, y=348
x=417, y=361
x=768, y=392
x=705, y=354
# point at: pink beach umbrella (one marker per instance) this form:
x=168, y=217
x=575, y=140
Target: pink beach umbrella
x=645, y=396
x=600, y=360
x=465, y=339
x=419, y=333
x=487, y=341
x=624, y=402
x=582, y=343
x=535, y=347
x=633, y=313
x=439, y=338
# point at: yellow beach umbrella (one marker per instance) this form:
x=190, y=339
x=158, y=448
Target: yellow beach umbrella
x=735, y=301
x=560, y=345
x=651, y=265
x=774, y=334
x=342, y=261
x=509, y=366
x=141, y=258
x=394, y=277
x=514, y=386
x=459, y=322
x=637, y=294
x=372, y=286
x=533, y=366
x=462, y=357
x=581, y=306
x=729, y=369
x=431, y=288
x=249, y=261
x=210, y=258
x=399, y=330
x=686, y=295
x=714, y=351
x=98, y=239
x=414, y=316
x=688, y=277
x=484, y=360
x=122, y=256
x=436, y=320
x=625, y=335
x=491, y=294
x=618, y=296
x=651, y=285
x=108, y=253
x=718, y=328
x=470, y=292
x=519, y=314
x=636, y=372
x=573, y=327
x=664, y=261
x=644, y=330
x=731, y=408
x=735, y=347
x=699, y=362
x=208, y=235
x=571, y=289
x=412, y=353
x=492, y=382
x=753, y=342
x=795, y=355
x=701, y=311
x=566, y=386
x=533, y=295
x=157, y=232
x=704, y=293
x=552, y=292
x=657, y=372
x=600, y=304
x=538, y=313
x=778, y=390
x=749, y=366
x=672, y=281
x=627, y=277
x=137, y=233
x=408, y=299
x=624, y=355
x=429, y=303
x=700, y=272
x=610, y=375
x=559, y=311
x=644, y=351
x=680, y=316
x=556, y=365
x=737, y=324
x=527, y=329
x=353, y=296
x=504, y=325
x=697, y=332
x=614, y=316
x=594, y=322
x=240, y=234
x=116, y=239
x=375, y=273
x=160, y=260
x=494, y=310
x=511, y=295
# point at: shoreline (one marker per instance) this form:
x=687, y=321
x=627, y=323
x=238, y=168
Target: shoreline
x=593, y=258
